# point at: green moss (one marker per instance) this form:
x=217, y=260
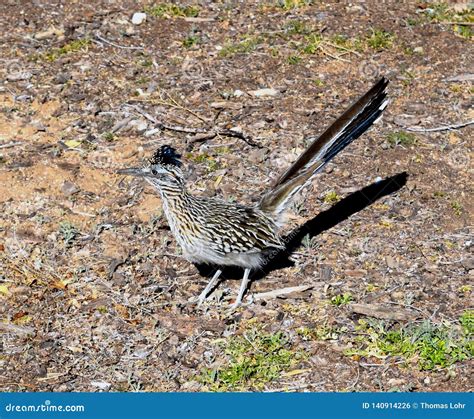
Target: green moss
x=251, y=361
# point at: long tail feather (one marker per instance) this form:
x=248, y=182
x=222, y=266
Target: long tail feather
x=351, y=125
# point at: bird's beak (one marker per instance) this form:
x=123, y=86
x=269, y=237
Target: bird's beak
x=133, y=171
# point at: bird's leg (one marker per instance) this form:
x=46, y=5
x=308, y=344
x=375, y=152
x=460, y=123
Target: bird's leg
x=209, y=286
x=243, y=287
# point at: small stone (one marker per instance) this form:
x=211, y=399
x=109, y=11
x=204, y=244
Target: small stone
x=468, y=264
x=62, y=78
x=138, y=18
x=238, y=93
x=317, y=360
x=391, y=262
x=264, y=92
x=69, y=188
x=418, y=50
x=102, y=385
x=19, y=75
x=49, y=33
x=139, y=125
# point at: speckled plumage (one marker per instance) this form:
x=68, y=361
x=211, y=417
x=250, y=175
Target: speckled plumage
x=220, y=233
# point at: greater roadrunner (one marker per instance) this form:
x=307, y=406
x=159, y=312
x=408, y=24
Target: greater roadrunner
x=220, y=233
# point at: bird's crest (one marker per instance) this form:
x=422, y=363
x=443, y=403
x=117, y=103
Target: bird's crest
x=166, y=155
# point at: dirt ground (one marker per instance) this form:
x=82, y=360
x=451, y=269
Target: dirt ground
x=94, y=295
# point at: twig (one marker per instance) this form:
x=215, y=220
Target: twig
x=12, y=144
x=324, y=51
x=206, y=134
x=441, y=128
x=113, y=44
x=281, y=292
x=341, y=47
x=177, y=105
x=457, y=23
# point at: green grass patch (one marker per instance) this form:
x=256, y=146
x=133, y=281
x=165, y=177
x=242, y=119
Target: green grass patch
x=172, y=10
x=296, y=27
x=211, y=163
x=442, y=13
x=431, y=346
x=402, y=138
x=293, y=4
x=380, y=39
x=294, y=59
x=457, y=208
x=341, y=299
x=245, y=46
x=73, y=46
x=252, y=361
x=332, y=197
x=190, y=41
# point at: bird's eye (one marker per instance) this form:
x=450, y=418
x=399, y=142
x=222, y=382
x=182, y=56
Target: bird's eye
x=154, y=172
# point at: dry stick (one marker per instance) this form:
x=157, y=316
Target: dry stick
x=177, y=105
x=12, y=144
x=208, y=133
x=105, y=41
x=442, y=128
x=457, y=23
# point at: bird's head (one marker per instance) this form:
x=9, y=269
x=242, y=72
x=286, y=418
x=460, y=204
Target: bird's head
x=163, y=169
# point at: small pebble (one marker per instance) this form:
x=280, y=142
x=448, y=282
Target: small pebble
x=138, y=18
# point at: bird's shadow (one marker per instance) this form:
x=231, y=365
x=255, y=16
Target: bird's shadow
x=325, y=220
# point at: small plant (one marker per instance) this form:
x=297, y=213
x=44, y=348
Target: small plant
x=296, y=27
x=252, y=361
x=402, y=138
x=467, y=322
x=457, y=208
x=459, y=21
x=341, y=299
x=190, y=41
x=108, y=136
x=68, y=233
x=293, y=4
x=380, y=39
x=247, y=45
x=313, y=42
x=432, y=346
x=211, y=163
x=172, y=10
x=73, y=46
x=294, y=59
x=332, y=197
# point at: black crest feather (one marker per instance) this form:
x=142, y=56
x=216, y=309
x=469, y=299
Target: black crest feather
x=166, y=155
